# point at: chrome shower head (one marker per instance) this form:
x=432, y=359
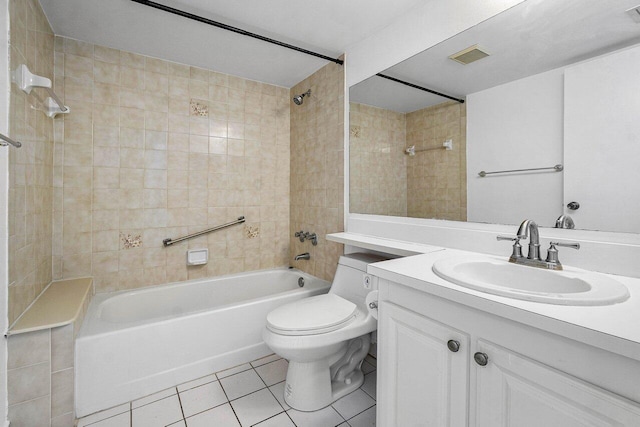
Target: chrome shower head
x=299, y=99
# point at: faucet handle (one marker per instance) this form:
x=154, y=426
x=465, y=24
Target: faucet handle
x=517, y=248
x=552, y=252
x=572, y=245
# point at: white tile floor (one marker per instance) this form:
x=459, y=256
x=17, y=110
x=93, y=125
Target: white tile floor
x=243, y=396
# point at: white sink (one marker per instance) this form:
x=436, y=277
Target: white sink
x=571, y=286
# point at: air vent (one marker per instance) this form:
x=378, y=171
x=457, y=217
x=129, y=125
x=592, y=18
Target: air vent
x=469, y=55
x=634, y=13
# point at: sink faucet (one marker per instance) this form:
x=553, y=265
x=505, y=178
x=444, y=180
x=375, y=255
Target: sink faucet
x=302, y=256
x=565, y=221
x=529, y=230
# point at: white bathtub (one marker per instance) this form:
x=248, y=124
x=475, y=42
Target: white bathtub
x=134, y=343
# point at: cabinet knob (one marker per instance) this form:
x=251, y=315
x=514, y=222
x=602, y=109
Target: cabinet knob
x=481, y=358
x=453, y=345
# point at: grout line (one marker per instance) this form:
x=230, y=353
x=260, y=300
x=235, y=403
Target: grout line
x=268, y=418
x=205, y=410
x=228, y=401
x=181, y=408
x=344, y=420
x=361, y=412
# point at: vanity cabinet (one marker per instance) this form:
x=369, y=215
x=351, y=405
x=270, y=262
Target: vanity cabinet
x=503, y=373
x=426, y=379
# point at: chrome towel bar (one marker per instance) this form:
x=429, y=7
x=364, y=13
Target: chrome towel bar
x=556, y=168
x=411, y=151
x=8, y=141
x=169, y=242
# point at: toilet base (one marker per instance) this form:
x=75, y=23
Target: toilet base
x=315, y=385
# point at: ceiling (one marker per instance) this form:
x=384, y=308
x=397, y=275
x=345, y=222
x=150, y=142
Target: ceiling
x=527, y=39
x=327, y=26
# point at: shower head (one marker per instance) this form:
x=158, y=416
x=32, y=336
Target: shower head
x=299, y=99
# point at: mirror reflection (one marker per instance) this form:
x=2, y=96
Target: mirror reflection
x=539, y=73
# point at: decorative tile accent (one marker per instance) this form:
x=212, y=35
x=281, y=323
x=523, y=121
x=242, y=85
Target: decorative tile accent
x=252, y=231
x=130, y=242
x=198, y=108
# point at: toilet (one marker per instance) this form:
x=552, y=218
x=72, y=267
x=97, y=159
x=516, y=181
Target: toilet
x=325, y=338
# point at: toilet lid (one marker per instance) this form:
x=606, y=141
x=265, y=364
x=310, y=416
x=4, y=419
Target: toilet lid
x=315, y=315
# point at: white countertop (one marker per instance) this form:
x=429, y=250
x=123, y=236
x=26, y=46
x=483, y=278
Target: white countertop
x=614, y=328
x=389, y=246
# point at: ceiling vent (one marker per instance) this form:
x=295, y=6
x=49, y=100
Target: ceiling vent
x=469, y=55
x=634, y=13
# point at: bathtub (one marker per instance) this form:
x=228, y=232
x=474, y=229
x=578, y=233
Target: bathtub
x=135, y=343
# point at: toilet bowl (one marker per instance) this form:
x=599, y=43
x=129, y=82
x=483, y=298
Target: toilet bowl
x=325, y=338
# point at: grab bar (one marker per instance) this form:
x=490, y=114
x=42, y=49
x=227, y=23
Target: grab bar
x=556, y=168
x=8, y=140
x=169, y=242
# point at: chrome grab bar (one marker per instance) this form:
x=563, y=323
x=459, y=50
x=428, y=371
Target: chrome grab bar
x=8, y=140
x=556, y=168
x=169, y=242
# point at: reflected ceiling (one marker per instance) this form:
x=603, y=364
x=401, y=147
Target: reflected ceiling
x=530, y=38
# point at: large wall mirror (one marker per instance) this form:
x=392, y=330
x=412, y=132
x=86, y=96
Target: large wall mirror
x=550, y=90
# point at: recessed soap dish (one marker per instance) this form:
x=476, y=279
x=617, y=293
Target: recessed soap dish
x=197, y=256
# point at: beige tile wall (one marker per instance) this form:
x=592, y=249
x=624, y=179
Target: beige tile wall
x=378, y=165
x=155, y=149
x=40, y=375
x=30, y=167
x=317, y=168
x=436, y=180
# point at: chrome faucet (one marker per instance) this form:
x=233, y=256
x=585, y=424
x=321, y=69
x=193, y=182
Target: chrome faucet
x=529, y=230
x=565, y=221
x=302, y=256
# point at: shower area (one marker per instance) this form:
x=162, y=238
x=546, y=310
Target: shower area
x=400, y=166
x=153, y=149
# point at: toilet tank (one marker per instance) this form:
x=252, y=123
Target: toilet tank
x=348, y=281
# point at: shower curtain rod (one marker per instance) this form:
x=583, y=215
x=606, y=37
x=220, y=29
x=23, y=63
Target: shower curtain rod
x=234, y=29
x=393, y=79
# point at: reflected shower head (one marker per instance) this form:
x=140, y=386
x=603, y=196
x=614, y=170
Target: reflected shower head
x=299, y=99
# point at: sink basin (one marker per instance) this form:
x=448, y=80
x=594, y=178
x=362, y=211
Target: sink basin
x=571, y=286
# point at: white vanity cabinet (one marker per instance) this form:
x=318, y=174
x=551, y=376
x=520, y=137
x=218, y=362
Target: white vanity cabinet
x=531, y=377
x=424, y=380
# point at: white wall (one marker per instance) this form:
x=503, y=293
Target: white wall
x=602, y=141
x=424, y=26
x=515, y=126
x=4, y=203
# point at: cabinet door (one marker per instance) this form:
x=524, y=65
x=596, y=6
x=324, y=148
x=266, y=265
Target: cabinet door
x=512, y=390
x=420, y=381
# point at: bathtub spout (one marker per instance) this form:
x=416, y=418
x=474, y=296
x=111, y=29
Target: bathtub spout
x=302, y=256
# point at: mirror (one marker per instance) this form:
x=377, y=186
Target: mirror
x=514, y=117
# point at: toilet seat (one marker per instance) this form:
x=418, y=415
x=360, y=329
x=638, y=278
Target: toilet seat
x=310, y=316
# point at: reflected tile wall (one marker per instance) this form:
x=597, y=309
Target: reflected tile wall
x=317, y=169
x=30, y=167
x=378, y=165
x=436, y=180
x=155, y=150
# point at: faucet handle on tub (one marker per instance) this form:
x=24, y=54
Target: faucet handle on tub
x=517, y=248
